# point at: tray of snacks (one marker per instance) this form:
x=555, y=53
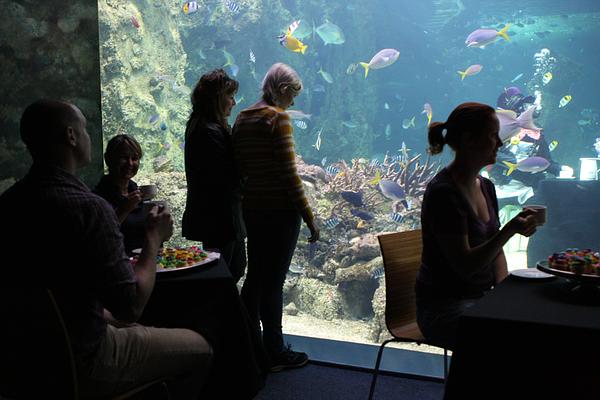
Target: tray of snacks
x=580, y=265
x=170, y=259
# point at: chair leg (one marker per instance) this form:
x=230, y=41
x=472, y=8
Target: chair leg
x=445, y=364
x=376, y=370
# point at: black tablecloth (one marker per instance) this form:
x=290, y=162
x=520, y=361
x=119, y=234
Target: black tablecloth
x=206, y=300
x=534, y=338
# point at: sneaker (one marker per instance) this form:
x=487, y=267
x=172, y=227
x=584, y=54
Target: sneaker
x=288, y=359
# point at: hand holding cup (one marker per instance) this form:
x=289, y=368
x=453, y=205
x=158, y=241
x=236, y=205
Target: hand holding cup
x=159, y=220
x=540, y=213
x=525, y=223
x=148, y=191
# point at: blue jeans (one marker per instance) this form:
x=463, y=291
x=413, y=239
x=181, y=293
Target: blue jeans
x=272, y=238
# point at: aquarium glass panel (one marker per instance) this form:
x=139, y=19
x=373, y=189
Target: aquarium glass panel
x=375, y=74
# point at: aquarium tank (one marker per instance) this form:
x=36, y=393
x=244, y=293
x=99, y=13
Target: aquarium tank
x=374, y=74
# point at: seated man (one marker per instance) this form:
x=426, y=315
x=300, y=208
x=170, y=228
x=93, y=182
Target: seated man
x=54, y=213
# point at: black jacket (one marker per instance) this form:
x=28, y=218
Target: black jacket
x=213, y=205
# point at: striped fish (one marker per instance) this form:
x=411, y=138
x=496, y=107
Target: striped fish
x=332, y=222
x=397, y=217
x=375, y=162
x=232, y=6
x=317, y=144
x=332, y=169
x=300, y=124
x=378, y=273
x=393, y=159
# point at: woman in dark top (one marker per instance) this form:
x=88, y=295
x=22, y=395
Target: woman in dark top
x=213, y=205
x=122, y=157
x=462, y=240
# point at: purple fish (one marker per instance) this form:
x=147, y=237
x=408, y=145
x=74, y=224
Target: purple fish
x=472, y=70
x=482, y=37
x=531, y=164
x=382, y=59
x=510, y=124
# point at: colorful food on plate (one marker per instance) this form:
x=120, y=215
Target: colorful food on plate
x=577, y=261
x=171, y=258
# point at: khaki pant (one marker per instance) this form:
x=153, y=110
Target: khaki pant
x=132, y=356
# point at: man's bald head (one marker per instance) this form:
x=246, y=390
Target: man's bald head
x=43, y=124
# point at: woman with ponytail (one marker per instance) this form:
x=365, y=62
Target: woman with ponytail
x=462, y=240
x=213, y=207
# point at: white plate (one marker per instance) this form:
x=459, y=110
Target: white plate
x=531, y=273
x=211, y=256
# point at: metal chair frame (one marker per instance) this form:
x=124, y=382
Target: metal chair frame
x=401, y=252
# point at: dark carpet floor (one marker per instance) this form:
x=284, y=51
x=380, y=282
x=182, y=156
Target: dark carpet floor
x=316, y=382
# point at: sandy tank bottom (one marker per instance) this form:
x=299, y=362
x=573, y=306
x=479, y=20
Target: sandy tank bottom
x=342, y=330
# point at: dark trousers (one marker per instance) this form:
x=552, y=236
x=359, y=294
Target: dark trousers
x=233, y=253
x=438, y=319
x=272, y=237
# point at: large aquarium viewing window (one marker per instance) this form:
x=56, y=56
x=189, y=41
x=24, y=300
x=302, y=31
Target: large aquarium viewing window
x=375, y=74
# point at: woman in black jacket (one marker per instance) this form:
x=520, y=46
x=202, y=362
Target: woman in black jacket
x=213, y=212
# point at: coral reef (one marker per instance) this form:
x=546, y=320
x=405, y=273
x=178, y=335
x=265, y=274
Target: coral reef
x=143, y=84
x=171, y=186
x=314, y=297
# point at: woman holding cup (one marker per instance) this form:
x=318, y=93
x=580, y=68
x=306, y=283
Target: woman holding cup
x=462, y=241
x=122, y=157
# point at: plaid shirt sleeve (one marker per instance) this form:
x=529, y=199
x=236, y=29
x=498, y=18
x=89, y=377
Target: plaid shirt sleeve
x=103, y=243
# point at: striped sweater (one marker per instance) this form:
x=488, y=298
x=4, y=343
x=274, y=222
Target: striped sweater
x=265, y=153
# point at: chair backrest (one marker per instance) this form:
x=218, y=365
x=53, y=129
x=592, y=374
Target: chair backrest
x=36, y=359
x=401, y=252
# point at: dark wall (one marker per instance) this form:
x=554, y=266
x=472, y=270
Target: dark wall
x=47, y=49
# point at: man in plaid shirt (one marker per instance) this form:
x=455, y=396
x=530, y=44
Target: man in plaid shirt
x=57, y=213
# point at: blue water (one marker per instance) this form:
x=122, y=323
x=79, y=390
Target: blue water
x=358, y=118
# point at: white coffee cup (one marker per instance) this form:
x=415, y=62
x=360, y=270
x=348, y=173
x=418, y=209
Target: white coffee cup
x=540, y=212
x=565, y=175
x=148, y=191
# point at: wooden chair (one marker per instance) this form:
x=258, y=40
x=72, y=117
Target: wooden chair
x=36, y=357
x=401, y=252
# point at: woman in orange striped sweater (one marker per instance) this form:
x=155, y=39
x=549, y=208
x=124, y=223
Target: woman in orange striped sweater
x=273, y=206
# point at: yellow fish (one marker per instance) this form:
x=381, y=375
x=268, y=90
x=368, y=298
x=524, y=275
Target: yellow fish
x=429, y=111
x=547, y=78
x=553, y=145
x=515, y=140
x=564, y=101
x=377, y=178
x=361, y=224
x=190, y=7
x=290, y=42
